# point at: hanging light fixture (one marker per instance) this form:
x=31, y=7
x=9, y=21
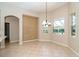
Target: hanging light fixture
x=46, y=23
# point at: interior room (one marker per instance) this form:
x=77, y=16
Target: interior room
x=39, y=29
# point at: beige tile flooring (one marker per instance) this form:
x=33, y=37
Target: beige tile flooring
x=36, y=49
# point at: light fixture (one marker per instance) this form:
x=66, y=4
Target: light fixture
x=46, y=23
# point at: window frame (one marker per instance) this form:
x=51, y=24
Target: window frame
x=59, y=19
x=73, y=14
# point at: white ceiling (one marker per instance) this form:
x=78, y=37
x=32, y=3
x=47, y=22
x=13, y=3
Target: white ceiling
x=37, y=7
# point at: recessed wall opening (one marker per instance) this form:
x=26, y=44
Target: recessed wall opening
x=11, y=29
x=30, y=28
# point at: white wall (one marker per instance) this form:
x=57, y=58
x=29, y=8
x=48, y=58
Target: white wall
x=18, y=12
x=14, y=28
x=64, y=11
x=5, y=11
x=61, y=12
x=42, y=36
x=74, y=41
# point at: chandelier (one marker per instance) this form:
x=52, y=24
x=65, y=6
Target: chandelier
x=46, y=23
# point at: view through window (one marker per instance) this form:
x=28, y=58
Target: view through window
x=59, y=26
x=44, y=27
x=73, y=24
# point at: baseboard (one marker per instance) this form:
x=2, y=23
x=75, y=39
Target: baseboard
x=60, y=43
x=55, y=43
x=13, y=41
x=66, y=46
x=74, y=51
x=31, y=40
x=41, y=40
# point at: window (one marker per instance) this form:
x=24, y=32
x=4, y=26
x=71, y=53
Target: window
x=44, y=28
x=73, y=24
x=59, y=26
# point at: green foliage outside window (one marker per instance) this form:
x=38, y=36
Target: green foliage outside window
x=59, y=26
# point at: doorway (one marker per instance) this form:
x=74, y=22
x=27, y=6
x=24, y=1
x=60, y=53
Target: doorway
x=11, y=29
x=7, y=32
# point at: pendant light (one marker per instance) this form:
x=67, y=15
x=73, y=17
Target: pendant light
x=45, y=22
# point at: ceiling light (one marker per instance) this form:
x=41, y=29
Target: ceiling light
x=46, y=22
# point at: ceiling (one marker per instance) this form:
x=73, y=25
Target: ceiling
x=37, y=7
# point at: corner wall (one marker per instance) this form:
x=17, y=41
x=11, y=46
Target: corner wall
x=61, y=12
x=74, y=41
x=18, y=12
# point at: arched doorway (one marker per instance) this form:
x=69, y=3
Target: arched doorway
x=11, y=29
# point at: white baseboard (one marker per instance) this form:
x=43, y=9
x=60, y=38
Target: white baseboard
x=65, y=45
x=13, y=41
x=74, y=51
x=41, y=40
x=53, y=42
x=31, y=40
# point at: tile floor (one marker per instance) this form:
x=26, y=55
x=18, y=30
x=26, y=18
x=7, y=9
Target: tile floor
x=36, y=49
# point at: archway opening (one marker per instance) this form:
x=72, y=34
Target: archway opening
x=11, y=29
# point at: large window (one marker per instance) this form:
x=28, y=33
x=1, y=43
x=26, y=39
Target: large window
x=73, y=24
x=44, y=27
x=59, y=26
